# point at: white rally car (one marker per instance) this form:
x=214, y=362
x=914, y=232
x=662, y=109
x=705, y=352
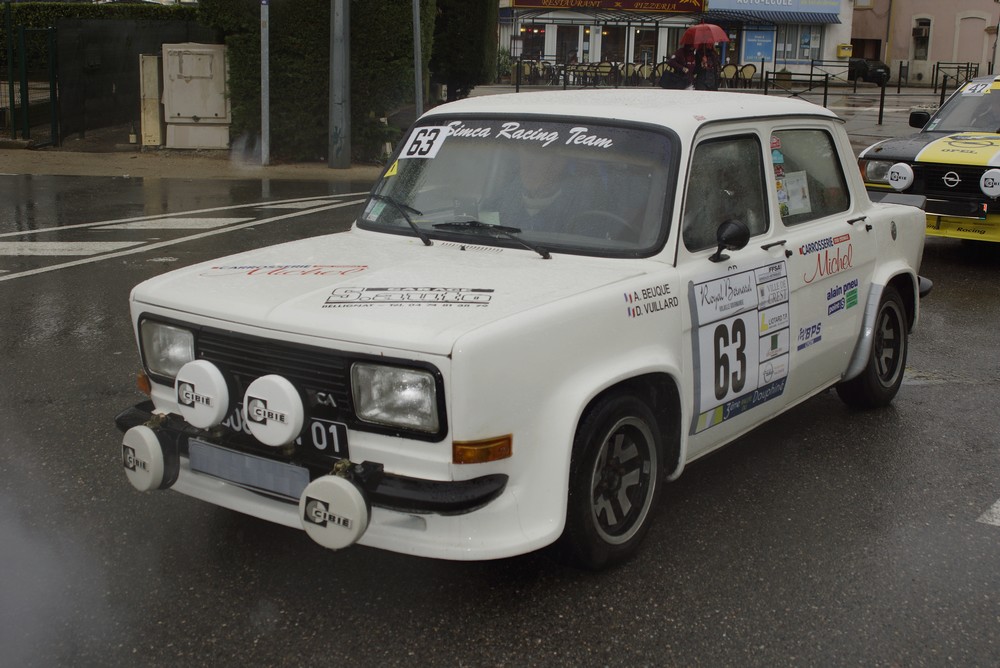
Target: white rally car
x=549, y=305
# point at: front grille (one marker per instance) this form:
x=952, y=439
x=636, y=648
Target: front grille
x=244, y=359
x=321, y=376
x=966, y=188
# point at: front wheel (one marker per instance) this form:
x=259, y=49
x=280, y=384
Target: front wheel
x=614, y=481
x=878, y=383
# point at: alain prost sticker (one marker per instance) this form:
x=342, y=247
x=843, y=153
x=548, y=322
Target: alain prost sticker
x=741, y=342
x=409, y=296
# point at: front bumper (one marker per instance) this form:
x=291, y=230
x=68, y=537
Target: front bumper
x=955, y=219
x=987, y=229
x=383, y=490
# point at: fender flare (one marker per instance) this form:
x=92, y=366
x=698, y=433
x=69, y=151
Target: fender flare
x=863, y=348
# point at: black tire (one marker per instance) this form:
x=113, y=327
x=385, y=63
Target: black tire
x=614, y=481
x=879, y=382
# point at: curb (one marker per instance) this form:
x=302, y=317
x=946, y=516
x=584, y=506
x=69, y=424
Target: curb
x=16, y=143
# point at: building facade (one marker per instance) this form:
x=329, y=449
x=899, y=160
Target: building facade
x=920, y=39
x=772, y=34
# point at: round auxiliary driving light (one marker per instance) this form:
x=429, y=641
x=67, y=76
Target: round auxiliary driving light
x=272, y=409
x=202, y=394
x=333, y=511
x=989, y=183
x=900, y=176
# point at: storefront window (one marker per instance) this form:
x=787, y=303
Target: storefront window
x=644, y=48
x=613, y=43
x=567, y=44
x=532, y=41
x=799, y=42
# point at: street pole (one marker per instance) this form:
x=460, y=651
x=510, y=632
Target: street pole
x=417, y=60
x=9, y=23
x=339, y=133
x=265, y=86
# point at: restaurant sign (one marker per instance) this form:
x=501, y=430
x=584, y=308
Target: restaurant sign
x=620, y=5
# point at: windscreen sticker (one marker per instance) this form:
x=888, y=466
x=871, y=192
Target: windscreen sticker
x=796, y=188
x=977, y=89
x=741, y=344
x=392, y=171
x=409, y=296
x=425, y=142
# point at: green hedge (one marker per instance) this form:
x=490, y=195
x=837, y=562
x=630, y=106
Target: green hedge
x=46, y=14
x=381, y=52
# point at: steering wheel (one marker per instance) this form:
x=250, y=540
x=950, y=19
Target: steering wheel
x=604, y=225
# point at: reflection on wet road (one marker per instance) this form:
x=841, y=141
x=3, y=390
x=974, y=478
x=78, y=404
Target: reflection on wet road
x=38, y=232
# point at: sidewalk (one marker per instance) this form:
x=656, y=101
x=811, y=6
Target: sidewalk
x=107, y=152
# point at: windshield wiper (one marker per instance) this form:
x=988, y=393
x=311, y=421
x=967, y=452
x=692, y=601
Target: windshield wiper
x=494, y=230
x=405, y=210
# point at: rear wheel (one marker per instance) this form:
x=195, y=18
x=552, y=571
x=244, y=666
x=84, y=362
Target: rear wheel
x=614, y=481
x=879, y=382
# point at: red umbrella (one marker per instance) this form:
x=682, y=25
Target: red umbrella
x=704, y=33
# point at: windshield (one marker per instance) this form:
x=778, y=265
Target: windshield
x=976, y=108
x=530, y=183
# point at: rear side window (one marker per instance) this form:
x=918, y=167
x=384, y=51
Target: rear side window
x=808, y=175
x=726, y=183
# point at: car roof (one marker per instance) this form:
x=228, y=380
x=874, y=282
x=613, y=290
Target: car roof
x=687, y=109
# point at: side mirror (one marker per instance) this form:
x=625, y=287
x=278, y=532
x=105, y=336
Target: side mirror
x=918, y=119
x=731, y=235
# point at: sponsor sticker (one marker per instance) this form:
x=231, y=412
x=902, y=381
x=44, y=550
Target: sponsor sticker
x=409, y=296
x=741, y=344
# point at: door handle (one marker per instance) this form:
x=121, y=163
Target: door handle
x=771, y=245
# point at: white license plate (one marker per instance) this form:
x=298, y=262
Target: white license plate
x=324, y=436
x=279, y=478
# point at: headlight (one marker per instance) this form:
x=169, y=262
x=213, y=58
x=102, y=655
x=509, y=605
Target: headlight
x=165, y=348
x=395, y=397
x=876, y=171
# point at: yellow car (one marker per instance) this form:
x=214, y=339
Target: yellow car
x=954, y=161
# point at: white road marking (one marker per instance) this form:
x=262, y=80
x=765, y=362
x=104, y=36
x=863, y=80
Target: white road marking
x=175, y=223
x=992, y=515
x=24, y=248
x=293, y=205
x=59, y=228
x=173, y=242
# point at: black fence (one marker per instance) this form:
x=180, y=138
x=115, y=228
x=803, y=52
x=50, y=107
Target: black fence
x=28, y=95
x=80, y=75
x=550, y=72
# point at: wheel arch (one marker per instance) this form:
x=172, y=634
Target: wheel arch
x=906, y=286
x=661, y=392
x=905, y=283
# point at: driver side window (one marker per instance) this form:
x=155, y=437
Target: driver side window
x=726, y=183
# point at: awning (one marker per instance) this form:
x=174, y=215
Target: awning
x=609, y=17
x=771, y=17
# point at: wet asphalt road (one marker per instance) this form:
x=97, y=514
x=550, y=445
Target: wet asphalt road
x=827, y=537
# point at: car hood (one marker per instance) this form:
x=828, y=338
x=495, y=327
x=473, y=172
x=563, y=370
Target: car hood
x=377, y=289
x=955, y=148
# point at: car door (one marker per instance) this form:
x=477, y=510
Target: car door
x=831, y=252
x=738, y=325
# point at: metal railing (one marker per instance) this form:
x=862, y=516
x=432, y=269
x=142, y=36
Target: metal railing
x=961, y=72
